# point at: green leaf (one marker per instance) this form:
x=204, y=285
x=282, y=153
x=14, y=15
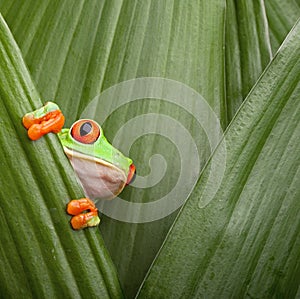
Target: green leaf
x=98, y=44
x=244, y=242
x=248, y=49
x=182, y=41
x=77, y=49
x=282, y=15
x=41, y=256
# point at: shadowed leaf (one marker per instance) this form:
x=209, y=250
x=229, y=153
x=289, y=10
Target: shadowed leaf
x=245, y=242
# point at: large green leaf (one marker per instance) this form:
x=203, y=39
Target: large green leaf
x=40, y=255
x=245, y=242
x=75, y=50
x=98, y=44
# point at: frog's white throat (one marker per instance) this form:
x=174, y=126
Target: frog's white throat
x=99, y=178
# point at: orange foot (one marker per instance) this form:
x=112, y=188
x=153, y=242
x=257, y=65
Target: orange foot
x=42, y=121
x=85, y=213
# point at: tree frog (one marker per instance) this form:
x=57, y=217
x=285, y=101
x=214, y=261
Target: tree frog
x=102, y=169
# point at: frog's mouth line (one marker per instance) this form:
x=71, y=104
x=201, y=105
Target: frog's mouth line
x=79, y=155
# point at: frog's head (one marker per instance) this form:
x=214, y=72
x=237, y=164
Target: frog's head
x=102, y=169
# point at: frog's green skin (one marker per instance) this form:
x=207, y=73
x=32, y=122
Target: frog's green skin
x=101, y=168
x=101, y=149
x=38, y=113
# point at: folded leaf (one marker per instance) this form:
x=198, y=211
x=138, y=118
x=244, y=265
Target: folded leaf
x=247, y=48
x=246, y=241
x=40, y=255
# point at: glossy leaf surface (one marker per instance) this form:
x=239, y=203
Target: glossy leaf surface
x=282, y=16
x=245, y=242
x=41, y=256
x=101, y=43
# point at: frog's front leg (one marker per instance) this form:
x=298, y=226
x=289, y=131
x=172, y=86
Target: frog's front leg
x=42, y=121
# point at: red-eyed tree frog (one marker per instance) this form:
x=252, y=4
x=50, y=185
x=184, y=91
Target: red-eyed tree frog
x=102, y=169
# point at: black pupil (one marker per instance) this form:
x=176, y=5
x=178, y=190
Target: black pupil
x=85, y=129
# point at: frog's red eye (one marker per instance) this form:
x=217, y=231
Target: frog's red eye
x=85, y=131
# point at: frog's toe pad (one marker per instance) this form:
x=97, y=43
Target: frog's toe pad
x=84, y=212
x=43, y=121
